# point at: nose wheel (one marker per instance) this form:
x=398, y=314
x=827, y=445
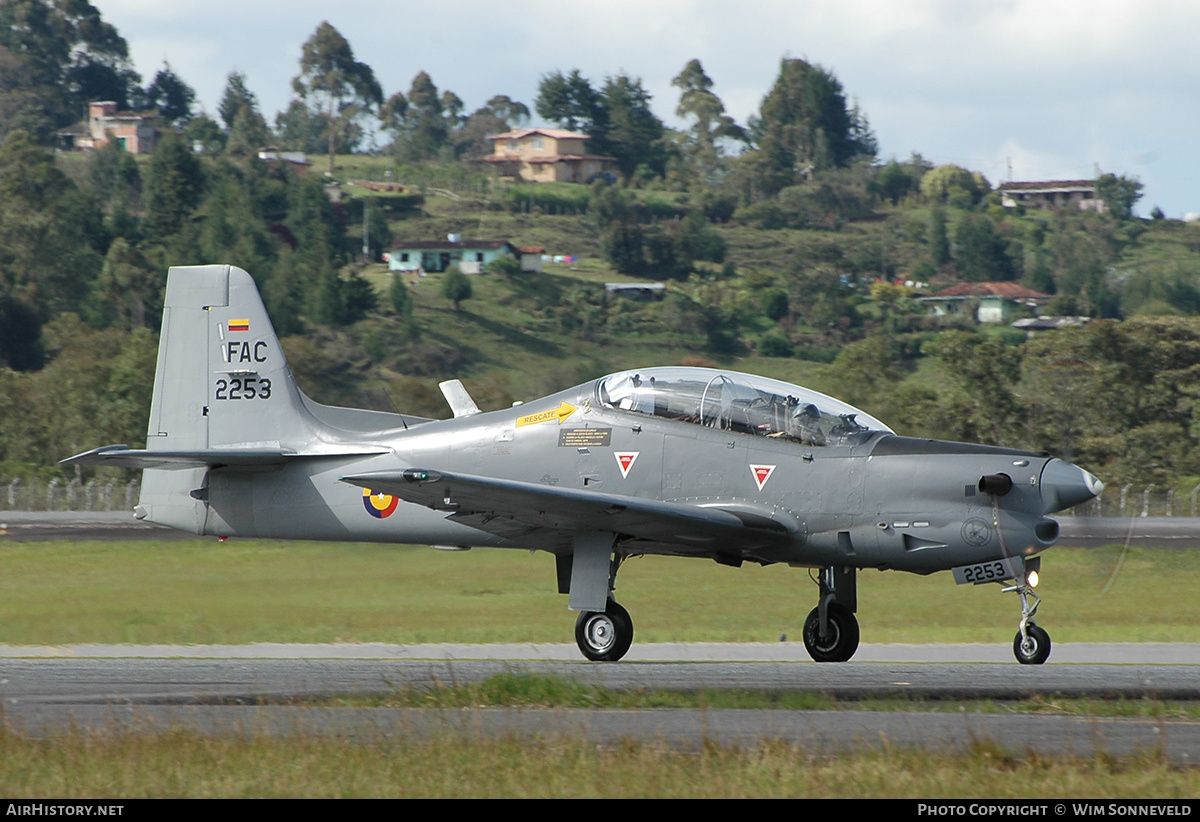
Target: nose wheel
x=604, y=636
x=1031, y=645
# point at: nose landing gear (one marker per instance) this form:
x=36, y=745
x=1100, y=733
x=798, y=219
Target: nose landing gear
x=1031, y=646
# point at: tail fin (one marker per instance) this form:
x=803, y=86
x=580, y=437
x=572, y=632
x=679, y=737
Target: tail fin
x=225, y=398
x=222, y=378
x=221, y=382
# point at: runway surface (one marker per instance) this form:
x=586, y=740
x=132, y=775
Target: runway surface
x=246, y=693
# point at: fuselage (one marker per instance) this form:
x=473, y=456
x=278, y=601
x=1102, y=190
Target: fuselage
x=857, y=495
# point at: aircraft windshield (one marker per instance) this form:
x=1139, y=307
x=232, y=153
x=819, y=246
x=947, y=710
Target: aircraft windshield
x=744, y=403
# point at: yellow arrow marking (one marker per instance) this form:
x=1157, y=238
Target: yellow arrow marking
x=561, y=413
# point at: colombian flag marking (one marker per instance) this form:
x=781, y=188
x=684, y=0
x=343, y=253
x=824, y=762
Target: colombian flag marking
x=380, y=506
x=239, y=325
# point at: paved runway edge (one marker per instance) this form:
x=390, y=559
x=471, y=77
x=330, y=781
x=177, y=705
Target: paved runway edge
x=1148, y=653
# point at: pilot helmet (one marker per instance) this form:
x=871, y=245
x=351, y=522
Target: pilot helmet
x=806, y=411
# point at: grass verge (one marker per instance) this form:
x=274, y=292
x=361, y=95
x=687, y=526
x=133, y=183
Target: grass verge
x=242, y=591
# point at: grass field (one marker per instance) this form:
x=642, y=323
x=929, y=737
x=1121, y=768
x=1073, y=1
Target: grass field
x=181, y=764
x=241, y=591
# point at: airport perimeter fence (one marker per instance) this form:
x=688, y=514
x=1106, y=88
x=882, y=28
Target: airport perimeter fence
x=118, y=495
x=55, y=495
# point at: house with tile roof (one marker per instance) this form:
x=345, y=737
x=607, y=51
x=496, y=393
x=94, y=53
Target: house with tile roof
x=992, y=302
x=1052, y=194
x=545, y=155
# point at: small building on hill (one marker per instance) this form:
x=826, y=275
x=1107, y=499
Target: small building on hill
x=136, y=131
x=471, y=256
x=1052, y=194
x=547, y=155
x=992, y=302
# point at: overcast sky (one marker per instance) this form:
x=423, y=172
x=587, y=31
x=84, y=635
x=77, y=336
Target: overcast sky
x=1056, y=88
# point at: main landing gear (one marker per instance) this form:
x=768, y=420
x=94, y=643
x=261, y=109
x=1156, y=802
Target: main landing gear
x=604, y=629
x=831, y=630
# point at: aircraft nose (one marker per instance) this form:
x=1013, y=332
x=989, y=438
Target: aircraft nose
x=1065, y=485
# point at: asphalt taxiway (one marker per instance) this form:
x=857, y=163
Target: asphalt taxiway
x=289, y=690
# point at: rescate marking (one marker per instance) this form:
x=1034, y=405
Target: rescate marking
x=625, y=460
x=762, y=473
x=553, y=415
x=380, y=506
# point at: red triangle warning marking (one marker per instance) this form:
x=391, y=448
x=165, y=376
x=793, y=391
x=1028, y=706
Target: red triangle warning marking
x=761, y=473
x=625, y=460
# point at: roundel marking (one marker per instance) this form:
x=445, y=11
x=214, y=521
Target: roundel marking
x=976, y=532
x=380, y=506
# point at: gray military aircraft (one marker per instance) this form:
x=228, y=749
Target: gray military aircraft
x=687, y=462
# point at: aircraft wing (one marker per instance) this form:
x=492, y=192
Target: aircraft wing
x=511, y=509
x=248, y=456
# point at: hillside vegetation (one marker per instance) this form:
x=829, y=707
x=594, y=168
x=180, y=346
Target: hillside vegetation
x=786, y=245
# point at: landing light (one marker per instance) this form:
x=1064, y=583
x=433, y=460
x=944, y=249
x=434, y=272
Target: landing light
x=1031, y=579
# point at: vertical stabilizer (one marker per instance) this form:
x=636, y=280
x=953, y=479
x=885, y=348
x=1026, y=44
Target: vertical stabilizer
x=221, y=380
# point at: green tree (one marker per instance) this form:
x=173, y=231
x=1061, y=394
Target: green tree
x=401, y=303
x=420, y=123
x=234, y=98
x=128, y=292
x=170, y=96
x=979, y=252
x=570, y=102
x=937, y=238
x=456, y=286
x=1119, y=194
x=698, y=101
x=893, y=182
x=174, y=187
x=55, y=56
x=337, y=85
x=51, y=232
x=634, y=134
x=983, y=404
x=954, y=185
x=804, y=126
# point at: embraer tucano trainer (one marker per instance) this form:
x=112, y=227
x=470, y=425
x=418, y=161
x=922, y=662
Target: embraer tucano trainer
x=687, y=462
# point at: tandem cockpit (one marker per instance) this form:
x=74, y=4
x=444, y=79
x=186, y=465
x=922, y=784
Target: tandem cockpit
x=743, y=403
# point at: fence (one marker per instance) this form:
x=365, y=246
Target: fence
x=55, y=495
x=116, y=495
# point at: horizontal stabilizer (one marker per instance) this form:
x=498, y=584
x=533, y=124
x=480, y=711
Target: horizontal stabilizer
x=251, y=456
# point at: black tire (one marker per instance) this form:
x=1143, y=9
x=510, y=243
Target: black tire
x=604, y=636
x=842, y=641
x=1035, y=649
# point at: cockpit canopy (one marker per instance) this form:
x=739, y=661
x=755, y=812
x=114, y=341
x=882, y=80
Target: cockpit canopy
x=744, y=403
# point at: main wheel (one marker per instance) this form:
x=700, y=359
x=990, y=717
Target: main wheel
x=604, y=636
x=1034, y=648
x=842, y=640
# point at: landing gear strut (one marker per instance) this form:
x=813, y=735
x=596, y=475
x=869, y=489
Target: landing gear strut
x=603, y=630
x=831, y=630
x=1031, y=646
